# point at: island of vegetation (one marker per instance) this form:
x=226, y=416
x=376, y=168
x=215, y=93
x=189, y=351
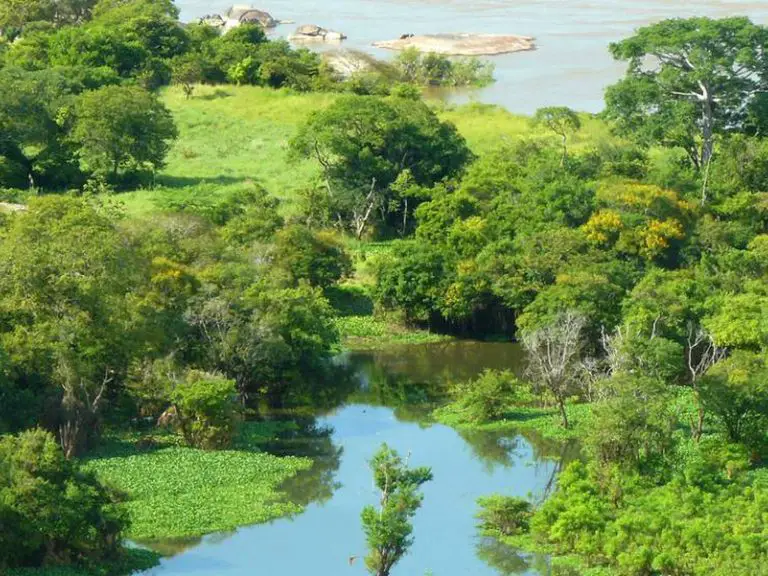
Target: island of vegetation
x=195, y=223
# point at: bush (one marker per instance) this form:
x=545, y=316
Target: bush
x=317, y=258
x=206, y=410
x=504, y=515
x=491, y=395
x=50, y=511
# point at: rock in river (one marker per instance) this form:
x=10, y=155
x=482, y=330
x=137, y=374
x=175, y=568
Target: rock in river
x=248, y=15
x=314, y=33
x=461, y=44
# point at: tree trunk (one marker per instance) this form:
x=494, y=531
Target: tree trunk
x=565, y=151
x=563, y=413
x=707, y=131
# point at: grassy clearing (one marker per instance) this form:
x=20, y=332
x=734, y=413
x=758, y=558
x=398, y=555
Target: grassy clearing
x=543, y=421
x=229, y=136
x=176, y=492
x=486, y=127
x=232, y=136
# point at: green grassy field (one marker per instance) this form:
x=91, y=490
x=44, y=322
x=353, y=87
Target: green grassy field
x=230, y=136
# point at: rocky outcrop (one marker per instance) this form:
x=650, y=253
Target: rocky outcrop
x=214, y=20
x=461, y=44
x=237, y=15
x=254, y=16
x=314, y=33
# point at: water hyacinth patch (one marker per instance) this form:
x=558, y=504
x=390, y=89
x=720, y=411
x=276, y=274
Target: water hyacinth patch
x=178, y=492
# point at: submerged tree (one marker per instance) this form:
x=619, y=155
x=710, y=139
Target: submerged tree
x=388, y=528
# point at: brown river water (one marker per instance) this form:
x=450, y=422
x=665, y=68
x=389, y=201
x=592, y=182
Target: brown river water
x=571, y=66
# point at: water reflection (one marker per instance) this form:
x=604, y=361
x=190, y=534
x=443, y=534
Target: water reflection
x=390, y=398
x=508, y=561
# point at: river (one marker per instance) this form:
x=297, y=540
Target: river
x=396, y=390
x=571, y=67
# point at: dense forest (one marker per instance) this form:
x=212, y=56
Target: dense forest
x=626, y=252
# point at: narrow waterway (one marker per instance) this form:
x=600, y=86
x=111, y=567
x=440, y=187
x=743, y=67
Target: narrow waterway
x=397, y=389
x=571, y=66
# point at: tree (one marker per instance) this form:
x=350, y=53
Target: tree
x=32, y=138
x=490, y=396
x=689, y=80
x=735, y=390
x=633, y=425
x=388, y=529
x=187, y=70
x=560, y=120
x=504, y=515
x=50, y=510
x=364, y=143
x=554, y=356
x=66, y=323
x=122, y=128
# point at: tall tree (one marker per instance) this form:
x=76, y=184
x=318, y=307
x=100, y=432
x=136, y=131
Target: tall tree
x=561, y=120
x=689, y=80
x=66, y=277
x=365, y=143
x=122, y=128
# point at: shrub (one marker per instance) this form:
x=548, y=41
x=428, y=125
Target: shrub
x=206, y=410
x=317, y=258
x=504, y=515
x=490, y=396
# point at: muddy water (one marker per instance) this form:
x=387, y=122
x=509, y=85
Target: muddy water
x=571, y=67
x=396, y=388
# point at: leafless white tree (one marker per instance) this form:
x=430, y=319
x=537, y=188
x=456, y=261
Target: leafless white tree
x=554, y=357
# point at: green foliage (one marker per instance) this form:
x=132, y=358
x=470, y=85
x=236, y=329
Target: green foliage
x=388, y=530
x=51, y=511
x=633, y=426
x=178, y=492
x=632, y=527
x=707, y=77
x=490, y=396
x=433, y=69
x=207, y=410
x=315, y=257
x=122, y=129
x=736, y=392
x=503, y=515
x=365, y=144
x=69, y=339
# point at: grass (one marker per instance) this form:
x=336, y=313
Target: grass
x=176, y=492
x=544, y=421
x=233, y=136
x=486, y=127
x=230, y=136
